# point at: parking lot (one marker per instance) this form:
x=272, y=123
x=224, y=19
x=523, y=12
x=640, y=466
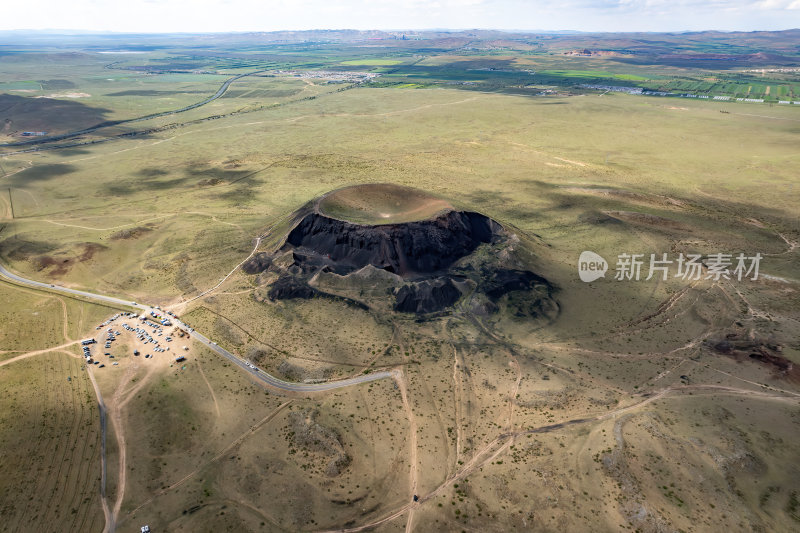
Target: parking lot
x=148, y=336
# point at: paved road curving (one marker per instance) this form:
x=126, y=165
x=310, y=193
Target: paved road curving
x=263, y=377
x=64, y=290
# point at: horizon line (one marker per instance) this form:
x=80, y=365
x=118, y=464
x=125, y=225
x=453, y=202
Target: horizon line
x=71, y=31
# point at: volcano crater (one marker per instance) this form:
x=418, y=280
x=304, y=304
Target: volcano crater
x=394, y=247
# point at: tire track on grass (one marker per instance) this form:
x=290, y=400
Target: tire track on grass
x=70, y=481
x=36, y=352
x=52, y=477
x=109, y=526
x=210, y=389
x=39, y=409
x=252, y=430
x=87, y=459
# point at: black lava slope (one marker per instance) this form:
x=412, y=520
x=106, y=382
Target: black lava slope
x=406, y=249
x=432, y=265
x=428, y=296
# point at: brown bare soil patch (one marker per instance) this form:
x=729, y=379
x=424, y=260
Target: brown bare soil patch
x=768, y=352
x=62, y=264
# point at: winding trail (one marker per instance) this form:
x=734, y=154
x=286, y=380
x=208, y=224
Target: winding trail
x=501, y=443
x=109, y=526
x=206, y=292
x=182, y=305
x=37, y=352
x=512, y=399
x=65, y=330
x=457, y=395
x=136, y=223
x=400, y=379
x=117, y=403
x=104, y=229
x=210, y=389
x=251, y=430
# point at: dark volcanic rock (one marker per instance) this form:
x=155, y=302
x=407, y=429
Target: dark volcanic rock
x=427, y=259
x=426, y=296
x=411, y=248
x=724, y=347
x=523, y=293
x=258, y=263
x=288, y=288
x=502, y=281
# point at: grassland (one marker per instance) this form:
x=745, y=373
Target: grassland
x=620, y=414
x=371, y=62
x=50, y=445
x=50, y=440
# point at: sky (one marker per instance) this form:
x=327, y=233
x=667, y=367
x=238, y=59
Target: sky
x=168, y=16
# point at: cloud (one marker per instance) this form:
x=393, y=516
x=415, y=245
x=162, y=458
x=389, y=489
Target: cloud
x=269, y=15
x=778, y=4
x=403, y=4
x=678, y=5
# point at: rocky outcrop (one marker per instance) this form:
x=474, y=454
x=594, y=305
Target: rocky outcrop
x=428, y=296
x=421, y=266
x=258, y=263
x=501, y=281
x=289, y=288
x=408, y=249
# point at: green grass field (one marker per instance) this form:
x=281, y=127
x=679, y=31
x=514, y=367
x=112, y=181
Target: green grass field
x=371, y=62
